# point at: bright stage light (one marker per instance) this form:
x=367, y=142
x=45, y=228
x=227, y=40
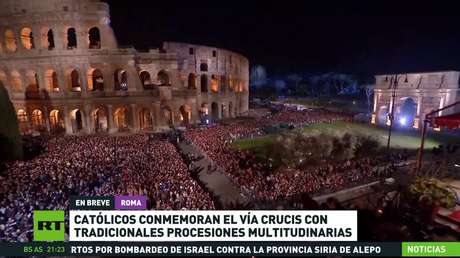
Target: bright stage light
x=403, y=121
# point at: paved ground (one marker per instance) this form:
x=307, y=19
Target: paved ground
x=224, y=190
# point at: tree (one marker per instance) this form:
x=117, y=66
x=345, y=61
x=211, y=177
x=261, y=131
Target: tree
x=10, y=138
x=315, y=85
x=294, y=80
x=369, y=91
x=432, y=191
x=302, y=89
x=279, y=84
x=258, y=76
x=339, y=84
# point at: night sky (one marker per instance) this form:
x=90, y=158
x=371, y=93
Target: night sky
x=289, y=36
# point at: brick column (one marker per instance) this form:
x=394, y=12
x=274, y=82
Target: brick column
x=47, y=119
x=82, y=36
x=134, y=118
x=67, y=121
x=109, y=82
x=110, y=121
x=157, y=115
x=88, y=119
x=82, y=70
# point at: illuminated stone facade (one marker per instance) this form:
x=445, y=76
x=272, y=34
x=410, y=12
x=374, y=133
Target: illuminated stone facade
x=64, y=72
x=427, y=91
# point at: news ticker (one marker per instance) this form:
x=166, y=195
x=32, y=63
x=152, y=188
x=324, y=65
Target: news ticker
x=245, y=248
x=121, y=225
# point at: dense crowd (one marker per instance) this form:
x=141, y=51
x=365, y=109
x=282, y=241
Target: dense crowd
x=140, y=165
x=94, y=165
x=254, y=178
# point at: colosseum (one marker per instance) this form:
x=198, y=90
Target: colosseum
x=65, y=73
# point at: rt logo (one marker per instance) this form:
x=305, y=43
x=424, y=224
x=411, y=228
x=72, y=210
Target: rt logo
x=49, y=225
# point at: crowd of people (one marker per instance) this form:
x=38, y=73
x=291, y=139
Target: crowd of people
x=142, y=165
x=95, y=166
x=254, y=178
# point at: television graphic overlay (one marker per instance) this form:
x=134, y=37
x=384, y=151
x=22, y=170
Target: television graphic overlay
x=48, y=225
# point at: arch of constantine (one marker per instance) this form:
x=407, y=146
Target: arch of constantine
x=416, y=95
x=65, y=72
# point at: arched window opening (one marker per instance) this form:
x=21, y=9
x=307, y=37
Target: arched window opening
x=406, y=113
x=27, y=38
x=51, y=81
x=192, y=81
x=146, y=80
x=121, y=118
x=32, y=82
x=100, y=120
x=56, y=120
x=230, y=83
x=22, y=116
x=50, y=39
x=214, y=111
x=94, y=38
x=37, y=119
x=10, y=40
x=47, y=38
x=204, y=83
x=167, y=115
x=75, y=81
x=95, y=80
x=214, y=84
x=71, y=38
x=204, y=113
x=76, y=118
x=121, y=80
x=185, y=114
x=163, y=78
x=223, y=84
x=222, y=111
x=16, y=81
x=204, y=67
x=145, y=119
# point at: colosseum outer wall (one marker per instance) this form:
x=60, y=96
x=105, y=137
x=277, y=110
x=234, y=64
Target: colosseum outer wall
x=65, y=73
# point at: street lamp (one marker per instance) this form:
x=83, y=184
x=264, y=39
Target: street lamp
x=392, y=109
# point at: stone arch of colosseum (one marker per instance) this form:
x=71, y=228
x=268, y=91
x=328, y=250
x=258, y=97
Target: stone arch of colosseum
x=146, y=79
x=94, y=38
x=100, y=119
x=204, y=83
x=120, y=79
x=146, y=120
x=56, y=121
x=214, y=111
x=95, y=79
x=27, y=38
x=10, y=40
x=167, y=115
x=191, y=82
x=51, y=81
x=46, y=38
x=122, y=118
x=76, y=120
x=186, y=114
